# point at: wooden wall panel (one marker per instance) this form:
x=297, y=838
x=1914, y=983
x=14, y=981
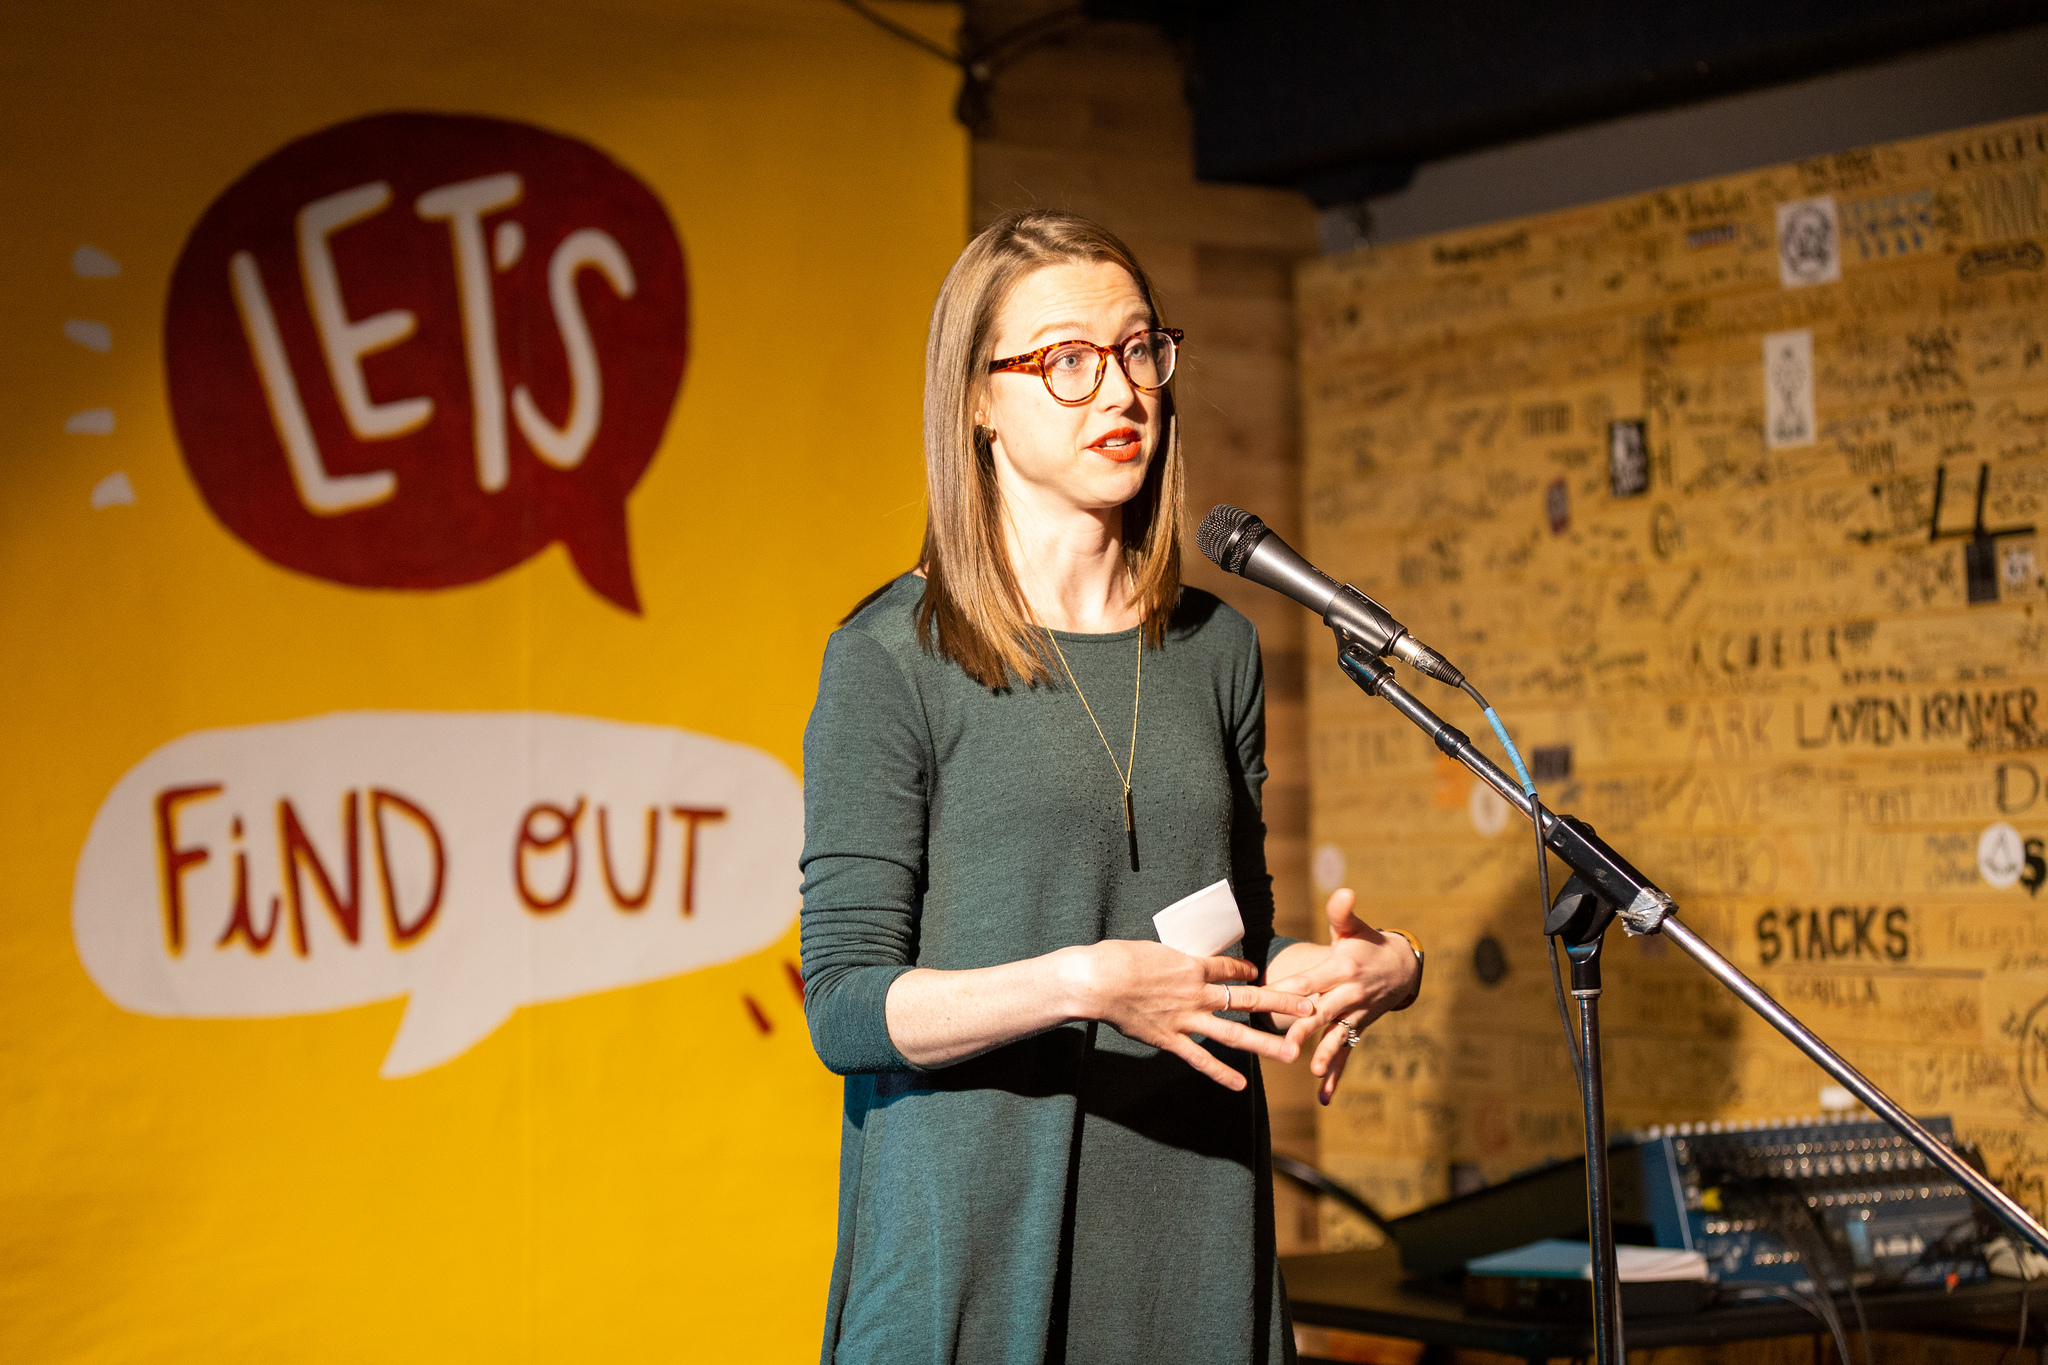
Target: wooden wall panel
x=1785, y=674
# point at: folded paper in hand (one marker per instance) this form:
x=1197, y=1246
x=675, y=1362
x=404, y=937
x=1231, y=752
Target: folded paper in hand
x=1203, y=924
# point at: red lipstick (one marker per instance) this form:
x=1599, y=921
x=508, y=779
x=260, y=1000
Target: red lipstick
x=1121, y=445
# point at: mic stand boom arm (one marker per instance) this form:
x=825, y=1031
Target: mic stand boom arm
x=1647, y=910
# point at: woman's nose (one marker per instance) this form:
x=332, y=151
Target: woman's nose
x=1117, y=390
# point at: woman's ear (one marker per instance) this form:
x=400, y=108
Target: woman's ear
x=984, y=434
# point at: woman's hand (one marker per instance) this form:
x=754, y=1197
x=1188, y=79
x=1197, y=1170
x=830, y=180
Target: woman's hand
x=1361, y=975
x=1161, y=996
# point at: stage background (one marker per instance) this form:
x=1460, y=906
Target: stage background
x=633, y=1173
x=1726, y=496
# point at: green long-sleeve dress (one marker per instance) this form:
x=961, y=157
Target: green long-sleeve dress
x=1074, y=1196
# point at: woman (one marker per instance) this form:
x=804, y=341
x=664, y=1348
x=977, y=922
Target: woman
x=1055, y=1143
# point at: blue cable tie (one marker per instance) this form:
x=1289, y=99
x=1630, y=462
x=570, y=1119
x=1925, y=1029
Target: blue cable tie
x=1514, y=754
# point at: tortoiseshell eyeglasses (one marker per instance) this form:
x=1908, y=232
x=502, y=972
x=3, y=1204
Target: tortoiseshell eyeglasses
x=1073, y=370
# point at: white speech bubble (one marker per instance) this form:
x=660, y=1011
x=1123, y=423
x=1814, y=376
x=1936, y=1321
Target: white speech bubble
x=511, y=798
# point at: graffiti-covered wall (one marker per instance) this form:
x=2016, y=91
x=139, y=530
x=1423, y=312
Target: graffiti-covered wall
x=438, y=442
x=1728, y=497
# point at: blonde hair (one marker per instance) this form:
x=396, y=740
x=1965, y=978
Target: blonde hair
x=973, y=611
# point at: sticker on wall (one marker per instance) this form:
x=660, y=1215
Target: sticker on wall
x=2001, y=855
x=1489, y=960
x=1628, y=458
x=1327, y=867
x=1488, y=811
x=412, y=350
x=473, y=863
x=1551, y=763
x=1789, y=418
x=2017, y=566
x=1809, y=242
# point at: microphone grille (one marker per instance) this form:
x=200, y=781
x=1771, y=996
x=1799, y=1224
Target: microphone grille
x=1228, y=535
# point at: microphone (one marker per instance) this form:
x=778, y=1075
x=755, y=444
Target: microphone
x=1240, y=543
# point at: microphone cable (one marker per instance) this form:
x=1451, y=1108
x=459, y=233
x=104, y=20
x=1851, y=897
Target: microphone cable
x=1564, y=1017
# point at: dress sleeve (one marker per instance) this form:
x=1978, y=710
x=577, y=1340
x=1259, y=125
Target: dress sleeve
x=866, y=775
x=1250, y=881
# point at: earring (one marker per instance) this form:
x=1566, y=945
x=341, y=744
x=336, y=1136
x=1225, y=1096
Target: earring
x=984, y=435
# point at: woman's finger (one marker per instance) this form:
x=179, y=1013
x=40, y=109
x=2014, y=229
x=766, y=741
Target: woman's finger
x=1330, y=1006
x=1232, y=1034
x=1320, y=977
x=1338, y=911
x=1229, y=969
x=1333, y=971
x=1328, y=1089
x=1336, y=1040
x=1300, y=1030
x=1261, y=1000
x=1204, y=1061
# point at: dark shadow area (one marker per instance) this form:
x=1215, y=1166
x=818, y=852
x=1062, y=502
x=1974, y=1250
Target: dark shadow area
x=1670, y=1032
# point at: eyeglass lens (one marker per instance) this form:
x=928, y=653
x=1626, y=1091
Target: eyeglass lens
x=1074, y=372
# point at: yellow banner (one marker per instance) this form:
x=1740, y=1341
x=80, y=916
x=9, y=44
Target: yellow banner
x=443, y=439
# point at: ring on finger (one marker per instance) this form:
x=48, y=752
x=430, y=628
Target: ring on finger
x=1226, y=998
x=1351, y=1033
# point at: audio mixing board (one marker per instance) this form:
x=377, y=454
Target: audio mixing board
x=1732, y=1191
x=1759, y=1200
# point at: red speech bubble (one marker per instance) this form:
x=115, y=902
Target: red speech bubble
x=411, y=350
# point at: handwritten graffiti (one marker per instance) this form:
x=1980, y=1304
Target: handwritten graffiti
x=2033, y=1059
x=1862, y=933
x=1994, y=720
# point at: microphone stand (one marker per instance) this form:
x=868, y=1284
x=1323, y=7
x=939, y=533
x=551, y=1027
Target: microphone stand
x=1605, y=885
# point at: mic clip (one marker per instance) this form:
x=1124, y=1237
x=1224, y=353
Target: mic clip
x=1361, y=665
x=1351, y=613
x=1364, y=622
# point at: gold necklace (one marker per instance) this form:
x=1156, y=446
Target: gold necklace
x=1129, y=765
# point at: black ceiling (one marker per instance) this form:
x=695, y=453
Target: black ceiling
x=1341, y=98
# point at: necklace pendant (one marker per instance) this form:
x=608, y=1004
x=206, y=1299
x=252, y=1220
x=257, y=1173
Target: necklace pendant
x=1130, y=817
